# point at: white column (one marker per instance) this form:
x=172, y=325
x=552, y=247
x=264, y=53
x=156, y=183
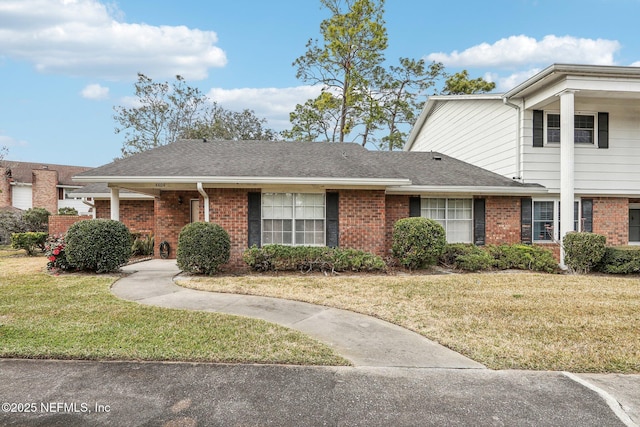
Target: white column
x=115, y=203
x=567, y=113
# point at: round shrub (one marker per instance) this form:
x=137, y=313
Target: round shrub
x=418, y=242
x=100, y=245
x=203, y=247
x=583, y=251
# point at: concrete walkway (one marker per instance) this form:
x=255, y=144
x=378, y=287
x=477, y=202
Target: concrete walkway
x=367, y=342
x=363, y=340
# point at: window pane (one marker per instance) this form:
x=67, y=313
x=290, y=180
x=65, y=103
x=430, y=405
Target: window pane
x=553, y=135
x=553, y=120
x=584, y=136
x=459, y=231
x=543, y=216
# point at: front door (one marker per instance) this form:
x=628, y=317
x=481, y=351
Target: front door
x=634, y=225
x=195, y=210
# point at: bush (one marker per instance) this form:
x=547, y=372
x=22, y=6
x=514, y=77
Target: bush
x=203, y=247
x=475, y=261
x=11, y=222
x=36, y=219
x=418, y=242
x=311, y=258
x=56, y=254
x=100, y=245
x=67, y=211
x=142, y=245
x=620, y=261
x=29, y=241
x=582, y=251
x=523, y=257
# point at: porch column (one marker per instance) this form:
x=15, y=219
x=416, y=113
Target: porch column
x=567, y=113
x=115, y=203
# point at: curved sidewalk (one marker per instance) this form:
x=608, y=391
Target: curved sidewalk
x=363, y=340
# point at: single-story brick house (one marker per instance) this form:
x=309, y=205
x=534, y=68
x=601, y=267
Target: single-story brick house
x=304, y=193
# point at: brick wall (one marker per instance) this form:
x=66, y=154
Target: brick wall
x=502, y=219
x=137, y=215
x=363, y=220
x=397, y=207
x=44, y=190
x=5, y=188
x=229, y=209
x=611, y=219
x=59, y=224
x=171, y=216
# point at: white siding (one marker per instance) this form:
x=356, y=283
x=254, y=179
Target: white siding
x=74, y=203
x=615, y=170
x=481, y=132
x=21, y=197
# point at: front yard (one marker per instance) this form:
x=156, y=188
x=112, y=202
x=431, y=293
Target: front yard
x=513, y=320
x=75, y=316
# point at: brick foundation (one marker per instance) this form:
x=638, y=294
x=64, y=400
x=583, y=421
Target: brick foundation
x=397, y=207
x=502, y=219
x=137, y=215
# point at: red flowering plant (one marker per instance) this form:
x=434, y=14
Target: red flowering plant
x=54, y=251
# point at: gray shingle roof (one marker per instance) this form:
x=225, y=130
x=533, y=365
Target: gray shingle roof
x=22, y=171
x=195, y=158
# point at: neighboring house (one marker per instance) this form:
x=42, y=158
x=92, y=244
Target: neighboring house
x=304, y=193
x=26, y=185
x=573, y=129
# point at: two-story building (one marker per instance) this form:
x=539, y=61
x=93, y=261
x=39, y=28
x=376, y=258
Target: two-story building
x=575, y=129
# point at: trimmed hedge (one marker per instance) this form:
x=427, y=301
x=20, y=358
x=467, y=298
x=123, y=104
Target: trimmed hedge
x=418, y=242
x=100, y=245
x=29, y=241
x=311, y=258
x=583, y=251
x=468, y=257
x=620, y=260
x=203, y=247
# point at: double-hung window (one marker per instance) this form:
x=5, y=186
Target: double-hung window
x=455, y=215
x=584, y=128
x=546, y=220
x=294, y=219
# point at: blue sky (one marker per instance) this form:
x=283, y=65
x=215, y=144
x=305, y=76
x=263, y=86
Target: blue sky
x=64, y=64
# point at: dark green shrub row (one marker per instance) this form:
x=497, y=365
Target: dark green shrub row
x=469, y=257
x=67, y=211
x=418, y=242
x=311, y=258
x=583, y=251
x=203, y=247
x=30, y=241
x=100, y=245
x=623, y=260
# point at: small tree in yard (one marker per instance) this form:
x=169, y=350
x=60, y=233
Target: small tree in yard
x=203, y=247
x=418, y=242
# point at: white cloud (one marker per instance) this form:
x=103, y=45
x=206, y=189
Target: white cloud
x=273, y=104
x=8, y=141
x=95, y=91
x=521, y=50
x=87, y=38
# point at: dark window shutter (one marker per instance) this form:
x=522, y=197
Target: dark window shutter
x=332, y=220
x=538, y=128
x=526, y=216
x=414, y=206
x=603, y=130
x=479, y=222
x=587, y=215
x=255, y=219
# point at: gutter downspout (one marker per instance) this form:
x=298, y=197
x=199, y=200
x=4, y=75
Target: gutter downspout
x=91, y=205
x=205, y=196
x=518, y=171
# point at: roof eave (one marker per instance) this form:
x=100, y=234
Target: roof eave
x=246, y=180
x=468, y=189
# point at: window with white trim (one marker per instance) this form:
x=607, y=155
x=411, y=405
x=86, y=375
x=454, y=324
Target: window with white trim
x=294, y=219
x=546, y=220
x=584, y=128
x=455, y=215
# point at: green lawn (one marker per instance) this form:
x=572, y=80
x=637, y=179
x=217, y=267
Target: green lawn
x=75, y=316
x=503, y=320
